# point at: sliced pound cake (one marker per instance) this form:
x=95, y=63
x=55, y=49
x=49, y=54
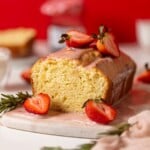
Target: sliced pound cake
x=71, y=76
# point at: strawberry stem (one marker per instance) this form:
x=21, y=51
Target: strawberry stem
x=147, y=67
x=98, y=100
x=119, y=129
x=94, y=36
x=95, y=100
x=84, y=104
x=63, y=38
x=102, y=30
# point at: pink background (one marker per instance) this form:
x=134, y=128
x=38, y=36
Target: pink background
x=120, y=15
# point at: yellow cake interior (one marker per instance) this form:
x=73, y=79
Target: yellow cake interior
x=68, y=83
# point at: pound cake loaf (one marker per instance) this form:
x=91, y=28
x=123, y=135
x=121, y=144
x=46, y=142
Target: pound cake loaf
x=72, y=75
x=90, y=67
x=18, y=40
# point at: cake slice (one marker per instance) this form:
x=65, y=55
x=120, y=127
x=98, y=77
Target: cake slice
x=18, y=40
x=71, y=76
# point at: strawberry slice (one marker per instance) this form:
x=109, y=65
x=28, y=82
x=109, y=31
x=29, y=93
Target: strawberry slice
x=110, y=45
x=76, y=39
x=99, y=111
x=106, y=43
x=26, y=75
x=145, y=76
x=38, y=104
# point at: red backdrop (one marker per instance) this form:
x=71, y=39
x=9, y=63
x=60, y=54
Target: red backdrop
x=25, y=13
x=119, y=15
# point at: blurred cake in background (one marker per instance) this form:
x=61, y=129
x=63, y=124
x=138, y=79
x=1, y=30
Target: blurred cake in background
x=18, y=40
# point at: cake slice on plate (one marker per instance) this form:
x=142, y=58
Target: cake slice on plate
x=19, y=40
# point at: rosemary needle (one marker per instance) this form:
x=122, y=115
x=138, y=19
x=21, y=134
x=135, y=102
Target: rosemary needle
x=9, y=101
x=87, y=146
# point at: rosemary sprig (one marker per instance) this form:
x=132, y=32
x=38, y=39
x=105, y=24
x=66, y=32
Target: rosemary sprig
x=119, y=129
x=9, y=102
x=51, y=148
x=147, y=67
x=87, y=146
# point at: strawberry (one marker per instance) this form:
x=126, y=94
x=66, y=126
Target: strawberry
x=145, y=76
x=26, y=75
x=38, y=104
x=99, y=111
x=76, y=39
x=106, y=43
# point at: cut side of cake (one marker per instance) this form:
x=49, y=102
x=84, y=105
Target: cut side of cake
x=71, y=76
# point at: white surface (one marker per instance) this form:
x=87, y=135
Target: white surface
x=11, y=139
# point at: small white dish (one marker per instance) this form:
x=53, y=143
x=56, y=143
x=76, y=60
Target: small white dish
x=143, y=32
x=5, y=57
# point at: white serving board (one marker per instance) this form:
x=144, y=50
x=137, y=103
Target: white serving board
x=77, y=124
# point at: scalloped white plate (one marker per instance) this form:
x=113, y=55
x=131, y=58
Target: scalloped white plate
x=77, y=124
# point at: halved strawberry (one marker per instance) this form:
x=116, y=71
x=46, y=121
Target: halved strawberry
x=26, y=75
x=101, y=47
x=76, y=39
x=99, y=112
x=106, y=43
x=38, y=104
x=145, y=76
